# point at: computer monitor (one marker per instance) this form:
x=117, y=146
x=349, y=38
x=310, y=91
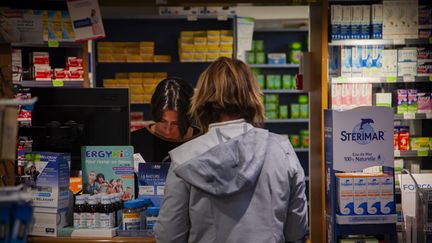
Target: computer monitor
x=65, y=119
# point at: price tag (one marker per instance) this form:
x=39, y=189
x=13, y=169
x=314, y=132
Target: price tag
x=408, y=78
x=192, y=17
x=397, y=153
x=408, y=116
x=53, y=43
x=391, y=79
x=58, y=83
x=422, y=153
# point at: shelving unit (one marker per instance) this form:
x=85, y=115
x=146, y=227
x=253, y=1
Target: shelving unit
x=32, y=83
x=274, y=65
x=286, y=121
x=378, y=80
x=412, y=153
x=283, y=91
x=392, y=42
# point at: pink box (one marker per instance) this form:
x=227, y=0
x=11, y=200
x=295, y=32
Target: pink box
x=336, y=96
x=365, y=94
x=424, y=103
x=356, y=95
x=346, y=96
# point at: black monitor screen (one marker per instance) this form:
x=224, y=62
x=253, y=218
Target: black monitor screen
x=64, y=119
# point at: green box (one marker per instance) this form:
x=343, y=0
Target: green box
x=293, y=82
x=295, y=111
x=260, y=80
x=258, y=45
x=286, y=81
x=270, y=84
x=295, y=52
x=271, y=107
x=256, y=71
x=277, y=82
x=260, y=58
x=283, y=112
x=304, y=138
x=304, y=110
x=271, y=98
x=295, y=140
x=250, y=57
x=271, y=114
x=303, y=99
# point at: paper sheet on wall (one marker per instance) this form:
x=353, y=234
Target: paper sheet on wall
x=20, y=26
x=245, y=28
x=86, y=19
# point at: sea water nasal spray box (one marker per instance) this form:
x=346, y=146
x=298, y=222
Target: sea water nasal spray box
x=356, y=54
x=335, y=22
x=360, y=195
x=345, y=196
x=49, y=179
x=346, y=61
x=387, y=195
x=377, y=21
x=346, y=22
x=365, y=22
x=376, y=61
x=356, y=17
x=373, y=194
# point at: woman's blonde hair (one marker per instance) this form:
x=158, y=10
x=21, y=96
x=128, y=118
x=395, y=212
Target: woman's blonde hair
x=227, y=87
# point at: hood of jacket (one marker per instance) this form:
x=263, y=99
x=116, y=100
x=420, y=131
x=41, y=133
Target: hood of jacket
x=229, y=167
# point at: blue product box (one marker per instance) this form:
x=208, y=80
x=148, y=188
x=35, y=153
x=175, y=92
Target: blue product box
x=356, y=18
x=365, y=22
x=276, y=58
x=357, y=61
x=151, y=181
x=108, y=169
x=377, y=21
x=346, y=22
x=335, y=22
x=49, y=178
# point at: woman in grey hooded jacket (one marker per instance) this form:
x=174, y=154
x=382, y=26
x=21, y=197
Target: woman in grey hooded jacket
x=237, y=182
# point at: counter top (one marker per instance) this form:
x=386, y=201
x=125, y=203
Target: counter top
x=36, y=239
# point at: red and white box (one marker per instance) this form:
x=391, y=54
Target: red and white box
x=61, y=74
x=76, y=74
x=42, y=73
x=74, y=62
x=39, y=58
x=16, y=64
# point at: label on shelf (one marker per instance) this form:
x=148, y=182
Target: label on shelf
x=53, y=43
x=397, y=153
x=408, y=78
x=409, y=115
x=422, y=153
x=430, y=78
x=391, y=79
x=57, y=83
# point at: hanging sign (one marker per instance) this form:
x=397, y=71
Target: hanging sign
x=86, y=19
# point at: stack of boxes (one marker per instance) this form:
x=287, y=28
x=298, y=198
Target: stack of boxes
x=391, y=20
x=257, y=55
x=57, y=25
x=425, y=21
x=412, y=101
x=205, y=46
x=274, y=110
x=42, y=71
x=141, y=85
x=49, y=180
x=132, y=52
x=351, y=95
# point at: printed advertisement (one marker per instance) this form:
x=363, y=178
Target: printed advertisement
x=408, y=190
x=108, y=169
x=20, y=26
x=86, y=19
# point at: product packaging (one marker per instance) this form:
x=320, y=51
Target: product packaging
x=346, y=61
x=355, y=95
x=360, y=195
x=47, y=222
x=377, y=21
x=39, y=58
x=424, y=69
x=402, y=101
x=373, y=195
x=108, y=169
x=151, y=181
x=250, y=57
x=356, y=18
x=365, y=22
x=383, y=99
x=260, y=58
x=276, y=58
x=286, y=81
x=407, y=68
x=304, y=110
x=335, y=22
x=387, y=195
x=49, y=179
x=345, y=193
x=346, y=22
x=346, y=98
x=424, y=103
x=283, y=112
x=260, y=78
x=356, y=69
x=419, y=143
x=366, y=61
x=404, y=138
x=412, y=101
x=389, y=63
x=376, y=61
x=407, y=55
x=336, y=96
x=16, y=65
x=42, y=73
x=295, y=111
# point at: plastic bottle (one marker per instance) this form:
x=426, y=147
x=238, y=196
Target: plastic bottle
x=92, y=214
x=119, y=206
x=152, y=214
x=132, y=215
x=106, y=213
x=80, y=220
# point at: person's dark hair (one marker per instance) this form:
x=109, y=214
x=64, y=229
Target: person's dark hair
x=100, y=175
x=173, y=94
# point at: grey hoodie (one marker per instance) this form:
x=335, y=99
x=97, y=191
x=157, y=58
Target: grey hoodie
x=234, y=184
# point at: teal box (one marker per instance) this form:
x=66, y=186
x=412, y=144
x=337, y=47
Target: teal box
x=250, y=57
x=271, y=98
x=271, y=106
x=270, y=84
x=260, y=58
x=286, y=81
x=108, y=169
x=283, y=111
x=277, y=82
x=271, y=114
x=304, y=111
x=295, y=111
x=260, y=80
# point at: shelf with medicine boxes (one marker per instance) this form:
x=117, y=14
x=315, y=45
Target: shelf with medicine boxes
x=412, y=153
x=50, y=44
x=274, y=65
x=283, y=91
x=52, y=83
x=390, y=42
x=400, y=79
x=286, y=120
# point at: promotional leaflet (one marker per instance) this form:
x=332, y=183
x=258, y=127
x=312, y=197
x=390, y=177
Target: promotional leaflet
x=86, y=19
x=108, y=169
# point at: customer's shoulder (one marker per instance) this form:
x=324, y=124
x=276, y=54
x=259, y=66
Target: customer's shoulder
x=280, y=141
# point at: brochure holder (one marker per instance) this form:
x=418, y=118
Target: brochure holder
x=355, y=140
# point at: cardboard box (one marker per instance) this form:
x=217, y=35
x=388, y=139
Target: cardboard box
x=389, y=63
x=49, y=174
x=373, y=195
x=346, y=98
x=151, y=181
x=377, y=21
x=61, y=74
x=412, y=101
x=336, y=96
x=76, y=74
x=276, y=58
x=41, y=73
x=74, y=62
x=407, y=68
x=345, y=194
x=346, y=22
x=407, y=55
x=47, y=222
x=356, y=69
x=391, y=15
x=383, y=99
x=360, y=195
x=366, y=60
x=424, y=103
x=365, y=22
x=335, y=21
x=346, y=61
x=39, y=58
x=376, y=61
x=356, y=19
x=16, y=65
x=387, y=195
x=402, y=101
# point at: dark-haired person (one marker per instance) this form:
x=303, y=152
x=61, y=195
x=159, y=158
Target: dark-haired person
x=237, y=182
x=169, y=106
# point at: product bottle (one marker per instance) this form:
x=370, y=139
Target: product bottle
x=79, y=213
x=106, y=212
x=152, y=214
x=132, y=215
x=92, y=214
x=119, y=206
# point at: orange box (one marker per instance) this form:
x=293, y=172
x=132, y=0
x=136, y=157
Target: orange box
x=75, y=184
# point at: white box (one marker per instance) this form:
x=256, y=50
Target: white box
x=16, y=64
x=46, y=222
x=377, y=21
x=41, y=73
x=387, y=195
x=410, y=19
x=373, y=195
x=356, y=54
x=391, y=16
x=389, y=63
x=366, y=61
x=276, y=58
x=407, y=69
x=346, y=22
x=360, y=195
x=345, y=196
x=365, y=22
x=383, y=99
x=335, y=21
x=356, y=18
x=376, y=60
x=39, y=58
x=346, y=61
x=407, y=55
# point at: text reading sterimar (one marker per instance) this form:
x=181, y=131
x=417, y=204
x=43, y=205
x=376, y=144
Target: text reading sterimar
x=362, y=136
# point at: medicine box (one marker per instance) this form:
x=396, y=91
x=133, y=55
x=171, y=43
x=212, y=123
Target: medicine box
x=47, y=222
x=360, y=195
x=366, y=60
x=356, y=54
x=39, y=58
x=16, y=64
x=377, y=21
x=345, y=196
x=424, y=103
x=387, y=195
x=407, y=68
x=412, y=101
x=356, y=18
x=402, y=101
x=346, y=22
x=346, y=61
x=151, y=181
x=389, y=63
x=376, y=60
x=365, y=22
x=49, y=178
x=383, y=99
x=407, y=55
x=276, y=58
x=335, y=22
x=373, y=194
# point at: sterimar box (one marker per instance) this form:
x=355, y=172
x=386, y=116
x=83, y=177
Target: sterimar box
x=49, y=178
x=345, y=193
x=335, y=21
x=151, y=181
x=108, y=169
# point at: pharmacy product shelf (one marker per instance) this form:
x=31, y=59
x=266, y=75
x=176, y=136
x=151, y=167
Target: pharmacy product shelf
x=400, y=79
x=301, y=149
x=283, y=91
x=53, y=44
x=412, y=153
x=274, y=65
x=366, y=219
x=54, y=83
x=412, y=116
x=362, y=42
x=286, y=121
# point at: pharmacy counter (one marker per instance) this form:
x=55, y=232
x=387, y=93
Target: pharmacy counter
x=35, y=239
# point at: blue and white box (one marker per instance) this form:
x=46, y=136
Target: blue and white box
x=407, y=55
x=151, y=181
x=377, y=21
x=360, y=196
x=49, y=176
x=373, y=195
x=356, y=19
x=365, y=22
x=387, y=195
x=366, y=60
x=345, y=194
x=376, y=60
x=335, y=21
x=346, y=22
x=276, y=58
x=346, y=61
x=356, y=70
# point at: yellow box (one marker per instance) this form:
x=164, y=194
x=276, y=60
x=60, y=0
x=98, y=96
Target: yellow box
x=226, y=40
x=160, y=75
x=133, y=51
x=136, y=81
x=119, y=44
x=146, y=51
x=213, y=33
x=147, y=75
x=147, y=98
x=226, y=33
x=148, y=88
x=226, y=48
x=186, y=57
x=121, y=75
x=185, y=40
x=201, y=33
x=106, y=44
x=147, y=58
x=200, y=40
x=137, y=98
x=213, y=49
x=122, y=81
x=213, y=40
x=134, y=58
x=229, y=55
x=105, y=58
x=136, y=88
x=210, y=57
x=133, y=75
x=186, y=33
x=118, y=50
x=162, y=58
x=200, y=49
x=147, y=44
x=132, y=44
x=147, y=81
x=109, y=82
x=119, y=58
x=187, y=48
x=199, y=57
